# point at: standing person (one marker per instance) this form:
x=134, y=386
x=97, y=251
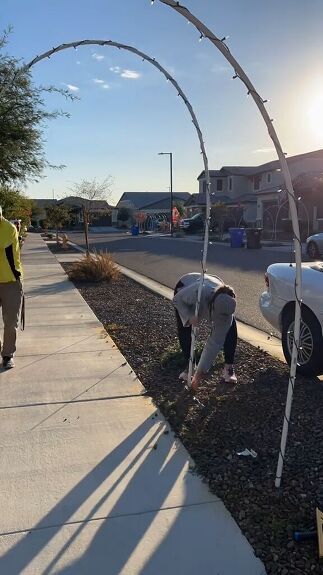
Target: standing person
x=11, y=292
x=217, y=306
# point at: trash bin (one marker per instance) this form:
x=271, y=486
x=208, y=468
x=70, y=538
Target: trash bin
x=236, y=237
x=253, y=238
x=134, y=230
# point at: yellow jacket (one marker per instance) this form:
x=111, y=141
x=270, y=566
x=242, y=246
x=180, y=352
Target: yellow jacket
x=10, y=265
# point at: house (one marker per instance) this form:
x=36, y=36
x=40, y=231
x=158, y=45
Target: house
x=152, y=204
x=99, y=210
x=259, y=192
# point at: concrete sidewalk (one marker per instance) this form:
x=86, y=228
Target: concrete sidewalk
x=91, y=484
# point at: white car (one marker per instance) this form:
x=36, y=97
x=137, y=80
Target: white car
x=277, y=305
x=314, y=246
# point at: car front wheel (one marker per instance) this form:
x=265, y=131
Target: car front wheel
x=309, y=361
x=312, y=251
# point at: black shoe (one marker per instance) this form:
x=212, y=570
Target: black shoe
x=8, y=363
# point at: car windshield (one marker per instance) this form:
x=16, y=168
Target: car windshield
x=197, y=217
x=317, y=267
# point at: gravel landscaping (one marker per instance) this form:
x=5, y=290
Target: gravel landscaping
x=232, y=418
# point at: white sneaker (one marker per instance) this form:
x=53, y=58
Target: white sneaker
x=228, y=374
x=183, y=375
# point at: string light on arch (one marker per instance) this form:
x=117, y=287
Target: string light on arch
x=239, y=73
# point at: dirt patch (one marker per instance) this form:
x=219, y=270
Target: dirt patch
x=248, y=415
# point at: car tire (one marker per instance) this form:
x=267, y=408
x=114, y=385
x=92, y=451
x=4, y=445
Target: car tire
x=312, y=251
x=310, y=362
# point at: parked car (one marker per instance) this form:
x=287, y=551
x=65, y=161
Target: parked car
x=314, y=246
x=277, y=305
x=193, y=224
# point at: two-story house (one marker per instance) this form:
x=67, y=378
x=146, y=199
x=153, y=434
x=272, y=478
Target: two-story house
x=259, y=191
x=152, y=204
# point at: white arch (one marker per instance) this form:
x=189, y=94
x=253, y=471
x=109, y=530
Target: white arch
x=239, y=73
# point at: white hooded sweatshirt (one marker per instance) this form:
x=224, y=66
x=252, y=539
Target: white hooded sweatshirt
x=220, y=317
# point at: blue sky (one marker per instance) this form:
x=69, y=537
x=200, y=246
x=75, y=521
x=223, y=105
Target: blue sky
x=127, y=112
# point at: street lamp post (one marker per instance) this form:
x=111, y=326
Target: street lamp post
x=170, y=154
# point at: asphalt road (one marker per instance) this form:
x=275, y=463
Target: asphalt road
x=165, y=259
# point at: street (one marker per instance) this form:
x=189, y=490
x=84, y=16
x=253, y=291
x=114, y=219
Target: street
x=165, y=260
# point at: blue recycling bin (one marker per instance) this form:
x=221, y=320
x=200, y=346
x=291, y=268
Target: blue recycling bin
x=135, y=230
x=236, y=237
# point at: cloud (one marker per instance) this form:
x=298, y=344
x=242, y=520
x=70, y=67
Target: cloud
x=71, y=87
x=130, y=74
x=78, y=62
x=263, y=151
x=98, y=57
x=101, y=83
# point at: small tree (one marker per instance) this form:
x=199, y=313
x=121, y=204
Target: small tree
x=124, y=214
x=15, y=205
x=180, y=207
x=309, y=186
x=57, y=217
x=219, y=213
x=90, y=190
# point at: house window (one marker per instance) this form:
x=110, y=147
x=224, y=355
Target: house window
x=268, y=178
x=219, y=186
x=230, y=183
x=256, y=182
x=204, y=186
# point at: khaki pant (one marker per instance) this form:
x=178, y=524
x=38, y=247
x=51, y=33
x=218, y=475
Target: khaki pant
x=10, y=300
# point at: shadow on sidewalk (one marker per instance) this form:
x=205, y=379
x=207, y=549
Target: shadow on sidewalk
x=110, y=545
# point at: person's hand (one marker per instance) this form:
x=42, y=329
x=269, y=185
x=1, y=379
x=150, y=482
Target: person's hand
x=194, y=321
x=197, y=378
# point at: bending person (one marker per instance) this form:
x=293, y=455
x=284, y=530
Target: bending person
x=217, y=306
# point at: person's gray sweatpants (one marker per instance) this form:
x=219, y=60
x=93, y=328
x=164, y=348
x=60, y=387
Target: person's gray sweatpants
x=11, y=294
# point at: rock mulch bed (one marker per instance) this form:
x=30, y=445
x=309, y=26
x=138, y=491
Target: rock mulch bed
x=58, y=249
x=248, y=415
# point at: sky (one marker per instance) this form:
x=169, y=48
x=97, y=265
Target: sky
x=127, y=112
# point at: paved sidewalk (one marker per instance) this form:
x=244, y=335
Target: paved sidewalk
x=91, y=484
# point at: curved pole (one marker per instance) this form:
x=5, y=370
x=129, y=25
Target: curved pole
x=180, y=92
x=307, y=216
x=277, y=214
x=239, y=73
x=304, y=208
x=268, y=212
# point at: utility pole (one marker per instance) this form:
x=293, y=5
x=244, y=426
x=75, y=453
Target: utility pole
x=170, y=154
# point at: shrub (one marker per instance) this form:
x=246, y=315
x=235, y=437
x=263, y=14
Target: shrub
x=95, y=267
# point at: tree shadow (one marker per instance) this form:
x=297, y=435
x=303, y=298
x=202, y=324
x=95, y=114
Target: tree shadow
x=120, y=533
x=156, y=469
